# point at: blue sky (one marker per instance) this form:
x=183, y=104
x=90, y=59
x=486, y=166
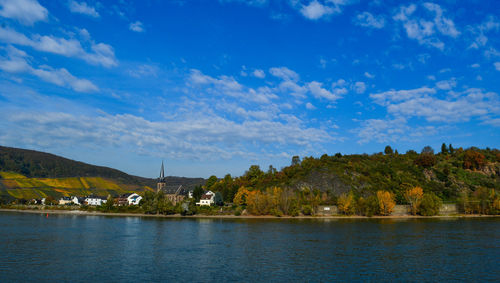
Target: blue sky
x=212, y=87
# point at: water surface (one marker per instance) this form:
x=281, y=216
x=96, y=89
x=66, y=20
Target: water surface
x=99, y=248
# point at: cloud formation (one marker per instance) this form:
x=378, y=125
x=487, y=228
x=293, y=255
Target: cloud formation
x=136, y=26
x=16, y=62
x=99, y=53
x=366, y=19
x=27, y=12
x=83, y=8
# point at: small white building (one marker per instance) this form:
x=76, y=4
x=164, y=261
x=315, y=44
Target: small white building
x=65, y=201
x=207, y=199
x=95, y=200
x=134, y=199
x=77, y=200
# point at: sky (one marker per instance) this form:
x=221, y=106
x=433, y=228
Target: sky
x=212, y=87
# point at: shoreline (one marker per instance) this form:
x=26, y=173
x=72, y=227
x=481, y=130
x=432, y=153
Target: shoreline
x=93, y=213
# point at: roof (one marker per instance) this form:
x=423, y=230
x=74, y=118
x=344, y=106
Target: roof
x=206, y=196
x=171, y=190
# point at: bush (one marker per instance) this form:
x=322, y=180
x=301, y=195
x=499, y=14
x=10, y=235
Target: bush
x=429, y=205
x=307, y=209
x=368, y=207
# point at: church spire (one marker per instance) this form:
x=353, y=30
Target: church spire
x=162, y=173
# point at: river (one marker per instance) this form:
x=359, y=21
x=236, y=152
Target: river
x=78, y=248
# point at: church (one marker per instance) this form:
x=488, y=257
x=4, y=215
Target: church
x=175, y=194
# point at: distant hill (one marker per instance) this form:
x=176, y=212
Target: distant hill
x=32, y=174
x=448, y=174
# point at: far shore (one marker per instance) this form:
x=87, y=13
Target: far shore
x=94, y=213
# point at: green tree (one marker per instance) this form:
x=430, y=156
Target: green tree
x=218, y=199
x=211, y=181
x=427, y=150
x=109, y=204
x=429, y=205
x=197, y=193
x=444, y=149
x=388, y=150
x=295, y=160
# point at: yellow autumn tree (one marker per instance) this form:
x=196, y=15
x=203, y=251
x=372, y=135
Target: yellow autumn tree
x=386, y=202
x=241, y=196
x=259, y=203
x=345, y=203
x=414, y=197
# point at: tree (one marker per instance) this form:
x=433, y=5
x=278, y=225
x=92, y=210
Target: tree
x=386, y=202
x=388, y=150
x=429, y=205
x=414, y=197
x=444, y=149
x=295, y=160
x=345, y=203
x=197, y=193
x=218, y=199
x=368, y=206
x=426, y=160
x=108, y=205
x=211, y=181
x=241, y=196
x=451, y=149
x=473, y=160
x=427, y=150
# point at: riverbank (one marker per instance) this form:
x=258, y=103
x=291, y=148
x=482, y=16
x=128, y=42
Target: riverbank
x=94, y=213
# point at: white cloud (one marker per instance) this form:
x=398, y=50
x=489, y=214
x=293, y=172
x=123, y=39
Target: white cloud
x=309, y=106
x=99, y=53
x=16, y=62
x=315, y=10
x=475, y=66
x=455, y=107
x=317, y=90
x=83, y=8
x=143, y=71
x=284, y=73
x=359, y=87
x=447, y=84
x=136, y=26
x=225, y=85
x=444, y=25
x=368, y=75
x=26, y=12
x=426, y=31
x=392, y=130
x=259, y=74
x=195, y=135
x=366, y=19
x=497, y=66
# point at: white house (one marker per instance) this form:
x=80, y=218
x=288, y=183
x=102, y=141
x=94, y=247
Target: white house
x=207, y=199
x=77, y=200
x=134, y=199
x=95, y=200
x=65, y=201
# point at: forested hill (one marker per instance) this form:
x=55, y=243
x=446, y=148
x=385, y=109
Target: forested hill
x=36, y=164
x=448, y=174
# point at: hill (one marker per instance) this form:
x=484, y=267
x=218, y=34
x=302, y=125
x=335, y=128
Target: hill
x=32, y=174
x=447, y=174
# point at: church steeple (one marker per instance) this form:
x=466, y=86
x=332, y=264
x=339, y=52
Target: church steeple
x=161, y=180
x=162, y=173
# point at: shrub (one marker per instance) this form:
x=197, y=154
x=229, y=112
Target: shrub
x=368, y=206
x=429, y=205
x=386, y=202
x=345, y=203
x=307, y=209
x=413, y=196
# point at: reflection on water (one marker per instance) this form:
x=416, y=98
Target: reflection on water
x=89, y=248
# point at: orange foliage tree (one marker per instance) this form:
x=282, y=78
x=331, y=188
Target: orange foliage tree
x=345, y=203
x=386, y=202
x=414, y=197
x=241, y=196
x=473, y=160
